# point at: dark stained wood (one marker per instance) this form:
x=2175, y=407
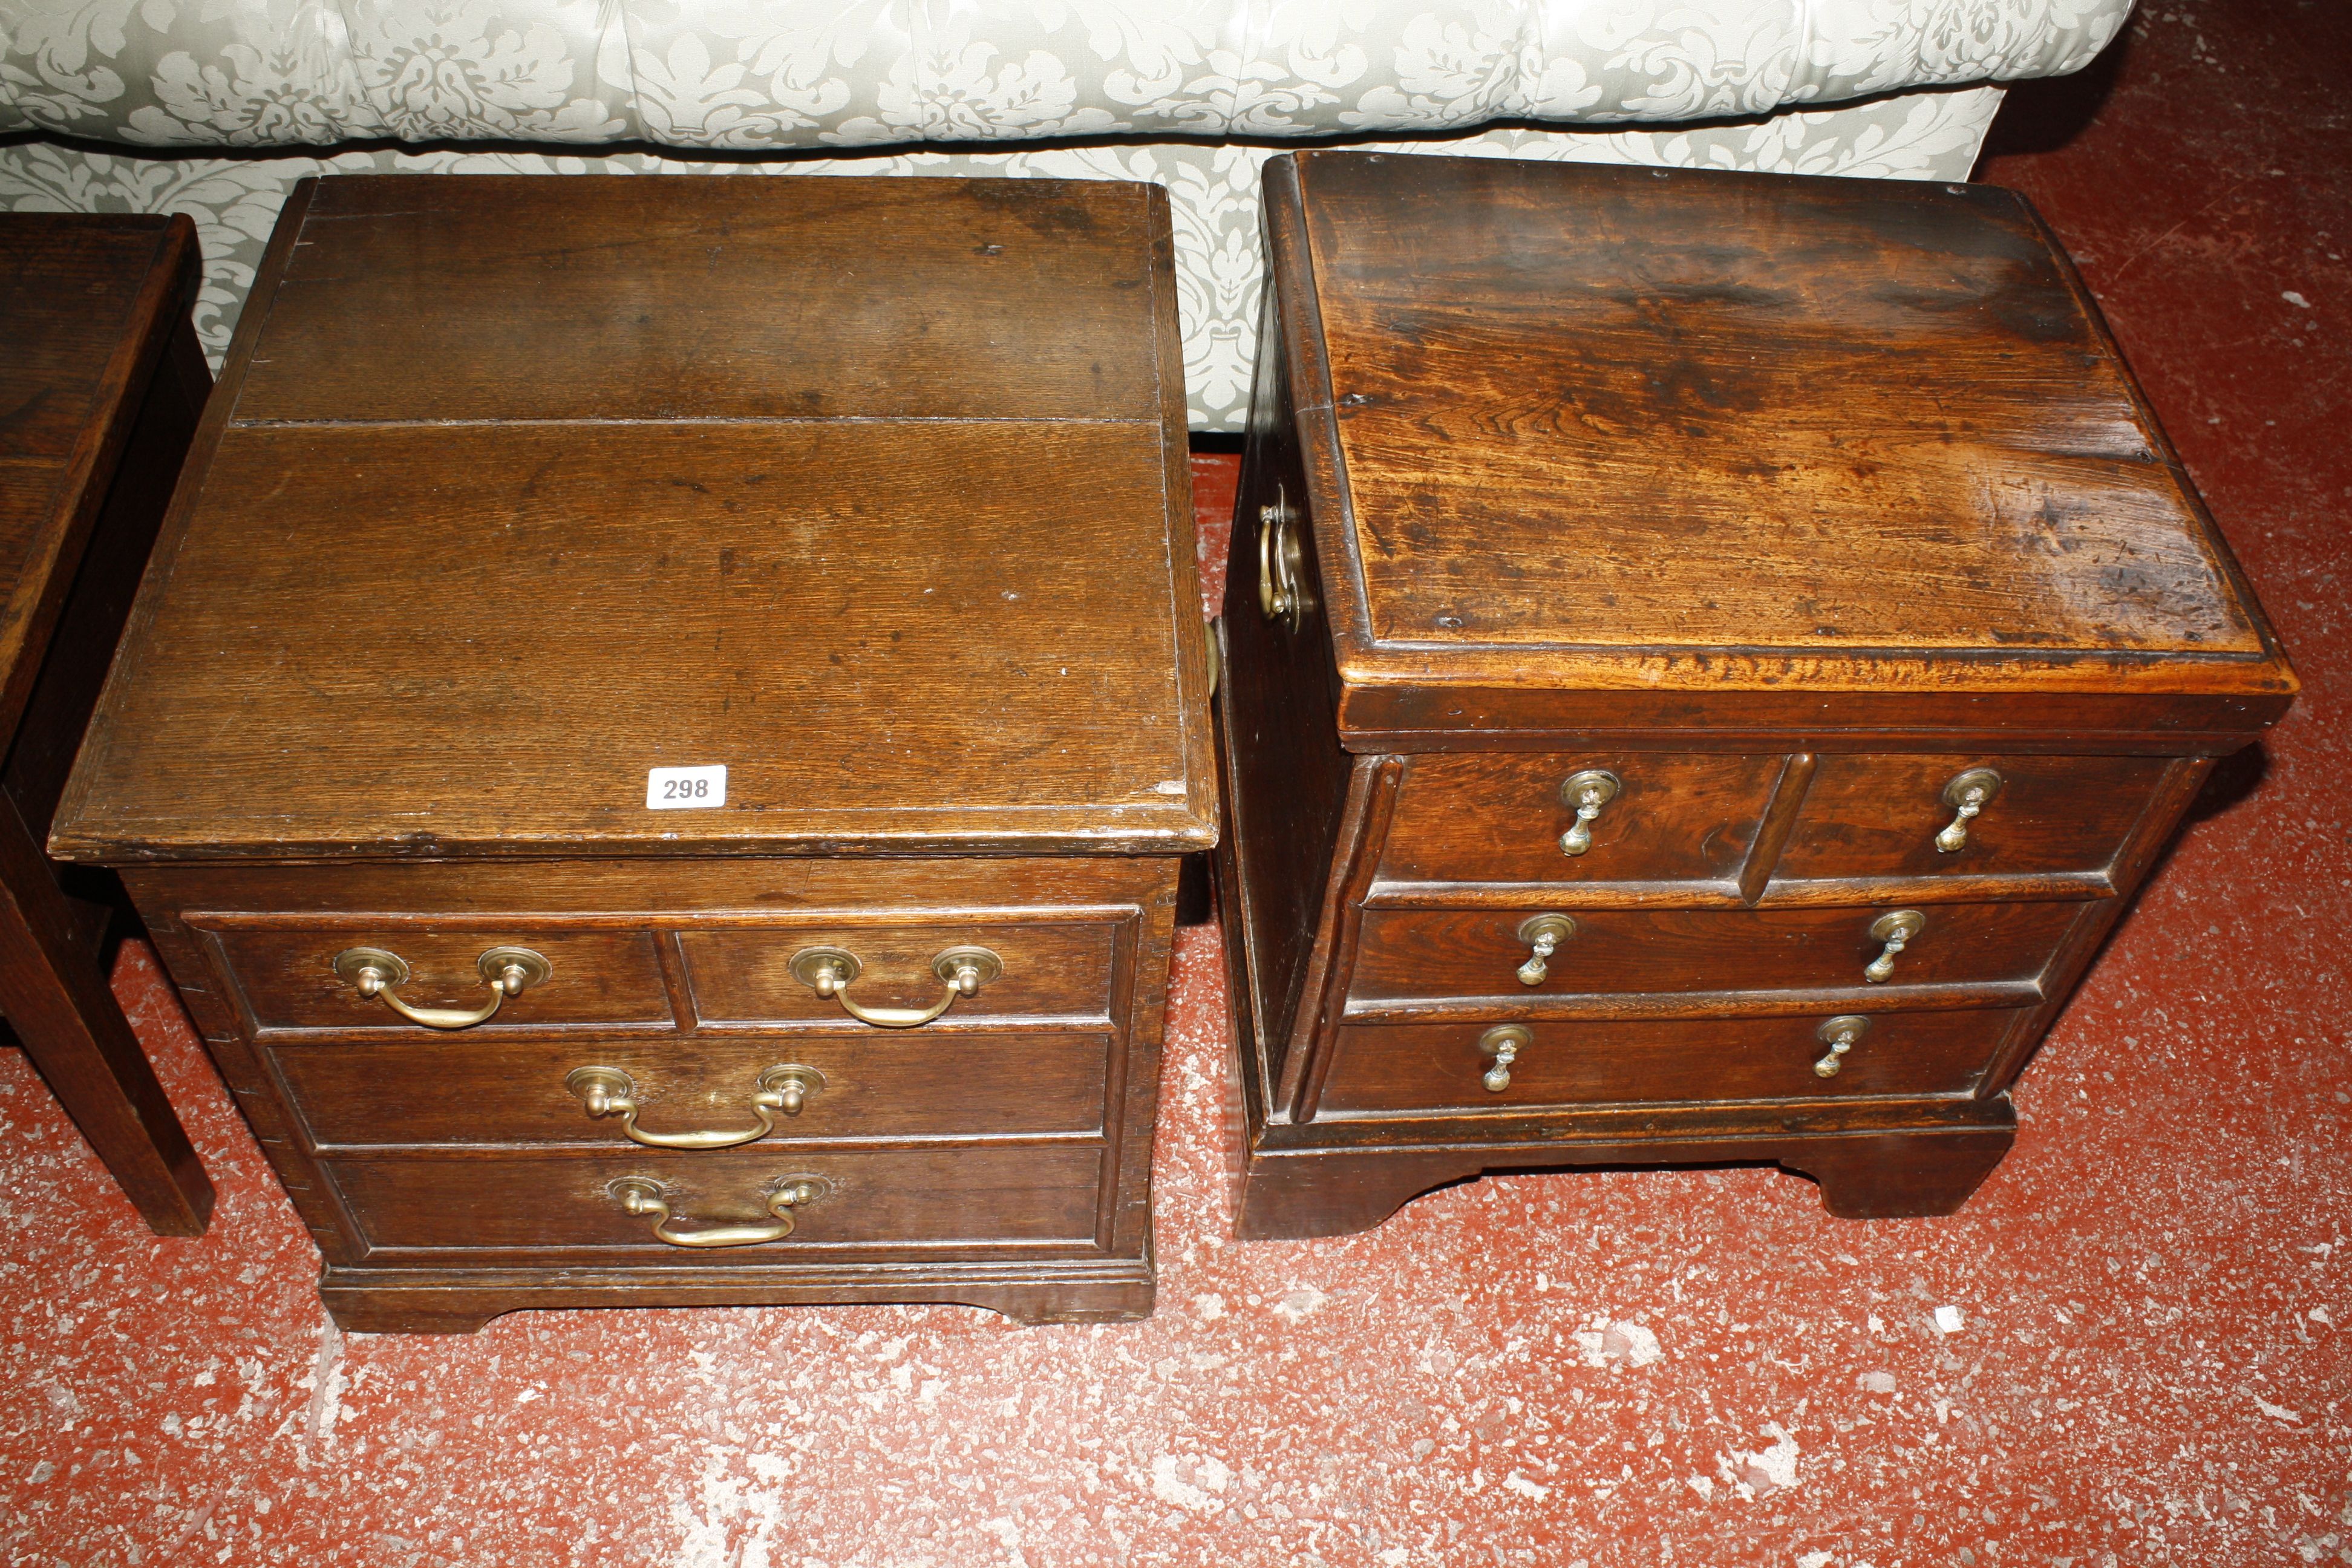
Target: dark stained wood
x=1789, y=792
x=1488, y=817
x=876, y=494
x=468, y=1092
x=1876, y=815
x=1422, y=1068
x=974, y=1200
x=1783, y=499
x=1434, y=953
x=1700, y=431
x=743, y=975
x=1282, y=773
x=286, y=977
x=100, y=383
x=697, y=300
x=593, y=603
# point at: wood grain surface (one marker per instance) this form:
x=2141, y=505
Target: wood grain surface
x=1409, y=952
x=480, y=598
x=421, y=1092
x=1439, y=1067
x=1497, y=817
x=963, y=1198
x=100, y=383
x=1696, y=430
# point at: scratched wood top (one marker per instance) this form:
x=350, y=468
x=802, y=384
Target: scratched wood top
x=1632, y=427
x=871, y=491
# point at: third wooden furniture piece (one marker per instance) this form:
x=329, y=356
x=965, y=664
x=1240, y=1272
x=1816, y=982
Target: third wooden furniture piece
x=661, y=735
x=1707, y=657
x=100, y=385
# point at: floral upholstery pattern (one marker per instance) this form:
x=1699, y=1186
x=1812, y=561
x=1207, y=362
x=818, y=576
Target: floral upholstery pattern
x=1191, y=93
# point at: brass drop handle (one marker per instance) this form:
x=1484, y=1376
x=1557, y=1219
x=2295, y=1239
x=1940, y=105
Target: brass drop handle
x=828, y=970
x=1585, y=793
x=1966, y=794
x=1543, y=934
x=1895, y=929
x=1840, y=1034
x=644, y=1196
x=1281, y=562
x=609, y=1091
x=1502, y=1045
x=507, y=971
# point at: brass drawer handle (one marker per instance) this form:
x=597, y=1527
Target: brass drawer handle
x=827, y=970
x=1841, y=1035
x=1967, y=793
x=1281, y=563
x=1502, y=1046
x=1543, y=934
x=609, y=1091
x=1895, y=929
x=1585, y=793
x=507, y=971
x=642, y=1196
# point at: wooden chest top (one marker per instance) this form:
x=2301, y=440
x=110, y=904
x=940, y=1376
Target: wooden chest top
x=86, y=303
x=1585, y=429
x=871, y=491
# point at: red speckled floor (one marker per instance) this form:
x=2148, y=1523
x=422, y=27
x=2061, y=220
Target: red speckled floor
x=2143, y=1362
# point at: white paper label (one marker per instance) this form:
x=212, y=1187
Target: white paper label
x=686, y=789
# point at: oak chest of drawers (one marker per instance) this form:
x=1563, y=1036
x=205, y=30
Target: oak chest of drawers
x=1707, y=657
x=661, y=735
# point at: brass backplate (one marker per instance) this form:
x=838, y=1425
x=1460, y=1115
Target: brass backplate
x=981, y=962
x=1519, y=1036
x=1602, y=784
x=1846, y=1026
x=1904, y=923
x=499, y=960
x=809, y=960
x=1535, y=928
x=391, y=965
x=1984, y=780
x=585, y=1081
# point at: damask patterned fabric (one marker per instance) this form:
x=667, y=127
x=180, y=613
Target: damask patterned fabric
x=786, y=86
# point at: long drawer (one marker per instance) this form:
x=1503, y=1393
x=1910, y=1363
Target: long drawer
x=1466, y=1068
x=871, y=1084
x=963, y=1197
x=1443, y=953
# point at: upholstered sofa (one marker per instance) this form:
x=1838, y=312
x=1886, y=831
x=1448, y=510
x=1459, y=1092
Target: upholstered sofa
x=214, y=108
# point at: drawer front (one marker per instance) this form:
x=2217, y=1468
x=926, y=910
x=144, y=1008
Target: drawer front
x=1446, y=1067
x=964, y=1196
x=1414, y=953
x=902, y=1084
x=745, y=975
x=1500, y=817
x=288, y=979
x=1880, y=815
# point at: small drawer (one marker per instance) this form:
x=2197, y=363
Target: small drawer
x=1868, y=817
x=762, y=975
x=1404, y=955
x=290, y=981
x=658, y=1092
x=1514, y=817
x=1391, y=1069
x=960, y=1196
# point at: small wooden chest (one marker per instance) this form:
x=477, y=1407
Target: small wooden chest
x=661, y=735
x=1708, y=656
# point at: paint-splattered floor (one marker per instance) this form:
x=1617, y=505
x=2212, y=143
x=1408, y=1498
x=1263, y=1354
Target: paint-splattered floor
x=2127, y=1350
